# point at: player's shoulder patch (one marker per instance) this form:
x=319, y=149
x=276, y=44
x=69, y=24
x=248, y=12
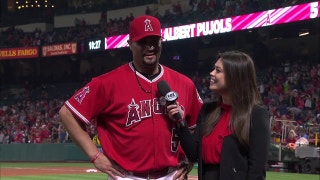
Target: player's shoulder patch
x=82, y=94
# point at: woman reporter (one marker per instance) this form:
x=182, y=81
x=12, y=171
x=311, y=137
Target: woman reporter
x=232, y=137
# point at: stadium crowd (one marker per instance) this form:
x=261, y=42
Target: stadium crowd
x=290, y=91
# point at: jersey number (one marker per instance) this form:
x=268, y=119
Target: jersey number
x=174, y=140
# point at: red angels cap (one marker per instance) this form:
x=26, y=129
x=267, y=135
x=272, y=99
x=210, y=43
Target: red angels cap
x=143, y=26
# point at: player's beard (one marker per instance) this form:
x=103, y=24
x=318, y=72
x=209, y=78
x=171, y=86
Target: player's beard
x=151, y=60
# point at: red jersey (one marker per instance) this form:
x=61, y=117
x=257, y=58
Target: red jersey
x=132, y=125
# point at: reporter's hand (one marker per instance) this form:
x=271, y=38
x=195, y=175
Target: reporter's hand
x=173, y=109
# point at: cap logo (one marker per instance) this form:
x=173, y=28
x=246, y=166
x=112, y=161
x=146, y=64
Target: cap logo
x=147, y=26
x=144, y=26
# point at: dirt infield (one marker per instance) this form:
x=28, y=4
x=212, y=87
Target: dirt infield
x=41, y=171
x=5, y=172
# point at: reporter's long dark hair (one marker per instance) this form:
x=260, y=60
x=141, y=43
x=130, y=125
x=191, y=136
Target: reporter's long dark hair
x=240, y=78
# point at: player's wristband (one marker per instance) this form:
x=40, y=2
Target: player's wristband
x=95, y=157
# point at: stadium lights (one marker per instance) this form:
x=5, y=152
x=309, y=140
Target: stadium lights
x=27, y=4
x=303, y=32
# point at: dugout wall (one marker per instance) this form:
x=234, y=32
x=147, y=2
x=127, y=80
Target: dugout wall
x=41, y=152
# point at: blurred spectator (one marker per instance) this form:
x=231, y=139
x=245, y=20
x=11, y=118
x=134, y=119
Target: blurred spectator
x=147, y=11
x=36, y=138
x=44, y=134
x=211, y=5
x=177, y=9
x=55, y=133
x=194, y=5
x=18, y=137
x=1, y=136
x=63, y=135
x=292, y=137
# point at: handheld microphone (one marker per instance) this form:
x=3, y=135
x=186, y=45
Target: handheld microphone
x=170, y=97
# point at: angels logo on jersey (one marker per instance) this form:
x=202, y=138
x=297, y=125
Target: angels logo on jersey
x=133, y=114
x=82, y=94
x=145, y=108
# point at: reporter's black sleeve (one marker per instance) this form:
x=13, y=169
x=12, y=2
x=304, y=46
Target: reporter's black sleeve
x=188, y=143
x=259, y=143
x=192, y=143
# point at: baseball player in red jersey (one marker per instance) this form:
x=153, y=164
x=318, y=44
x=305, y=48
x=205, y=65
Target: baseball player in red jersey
x=137, y=137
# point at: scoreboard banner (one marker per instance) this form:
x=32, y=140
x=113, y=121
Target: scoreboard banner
x=60, y=49
x=19, y=53
x=271, y=17
x=248, y=21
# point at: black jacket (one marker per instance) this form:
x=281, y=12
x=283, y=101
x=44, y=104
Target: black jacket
x=237, y=162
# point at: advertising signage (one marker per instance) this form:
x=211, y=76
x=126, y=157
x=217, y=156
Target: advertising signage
x=248, y=21
x=59, y=49
x=19, y=53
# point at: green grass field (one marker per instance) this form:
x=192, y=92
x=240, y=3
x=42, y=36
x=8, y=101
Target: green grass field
x=98, y=176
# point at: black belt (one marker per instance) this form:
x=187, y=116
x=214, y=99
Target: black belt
x=154, y=174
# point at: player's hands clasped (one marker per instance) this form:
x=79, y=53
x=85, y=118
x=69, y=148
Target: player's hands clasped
x=103, y=164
